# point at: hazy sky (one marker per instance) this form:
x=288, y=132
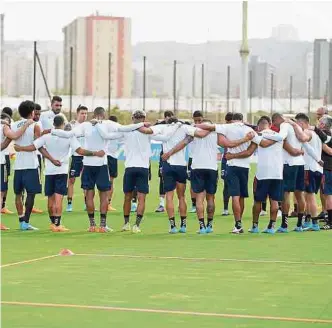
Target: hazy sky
x=185, y=21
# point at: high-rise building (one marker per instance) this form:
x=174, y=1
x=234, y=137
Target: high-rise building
x=330, y=75
x=320, y=68
x=260, y=78
x=92, y=39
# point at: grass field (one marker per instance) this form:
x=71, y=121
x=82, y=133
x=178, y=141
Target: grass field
x=127, y=280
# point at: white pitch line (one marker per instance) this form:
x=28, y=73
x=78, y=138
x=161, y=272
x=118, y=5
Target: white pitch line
x=203, y=259
x=159, y=311
x=28, y=261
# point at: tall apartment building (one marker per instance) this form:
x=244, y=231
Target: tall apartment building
x=261, y=77
x=92, y=39
x=320, y=68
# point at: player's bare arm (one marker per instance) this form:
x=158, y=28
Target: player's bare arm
x=207, y=127
x=301, y=134
x=224, y=142
x=15, y=135
x=84, y=152
x=291, y=150
x=187, y=140
x=5, y=143
x=243, y=154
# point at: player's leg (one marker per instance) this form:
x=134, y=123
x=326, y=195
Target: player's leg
x=260, y=194
x=181, y=193
x=134, y=201
x=129, y=181
x=3, y=188
x=113, y=173
x=323, y=214
x=142, y=187
x=299, y=195
x=170, y=211
x=211, y=183
x=161, y=207
x=6, y=169
x=36, y=210
x=327, y=189
x=234, y=191
x=226, y=198
x=263, y=211
x=197, y=180
x=71, y=185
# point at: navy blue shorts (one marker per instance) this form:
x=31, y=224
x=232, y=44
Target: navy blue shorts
x=223, y=169
x=237, y=181
x=312, y=181
x=7, y=164
x=271, y=188
x=189, y=169
x=327, y=183
x=76, y=166
x=28, y=180
x=56, y=184
x=204, y=180
x=4, y=178
x=136, y=178
x=112, y=164
x=293, y=178
x=173, y=174
x=95, y=176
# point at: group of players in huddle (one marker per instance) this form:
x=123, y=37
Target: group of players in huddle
x=292, y=157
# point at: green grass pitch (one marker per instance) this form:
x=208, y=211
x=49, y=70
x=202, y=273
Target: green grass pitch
x=196, y=282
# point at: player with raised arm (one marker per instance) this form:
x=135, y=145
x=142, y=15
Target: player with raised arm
x=76, y=165
x=56, y=176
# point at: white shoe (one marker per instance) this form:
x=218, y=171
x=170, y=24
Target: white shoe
x=109, y=229
x=237, y=231
x=126, y=227
x=279, y=215
x=225, y=213
x=262, y=213
x=30, y=227
x=136, y=229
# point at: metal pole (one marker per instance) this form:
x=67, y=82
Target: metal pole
x=34, y=70
x=202, y=88
x=272, y=75
x=174, y=86
x=144, y=81
x=291, y=94
x=109, y=82
x=228, y=86
x=244, y=53
x=250, y=94
x=71, y=83
x=43, y=76
x=309, y=95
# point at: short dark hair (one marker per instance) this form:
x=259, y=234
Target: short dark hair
x=58, y=121
x=4, y=116
x=276, y=116
x=264, y=118
x=113, y=118
x=228, y=116
x=173, y=119
x=237, y=117
x=81, y=107
x=99, y=111
x=56, y=98
x=37, y=107
x=197, y=113
x=8, y=111
x=26, y=108
x=168, y=113
x=302, y=117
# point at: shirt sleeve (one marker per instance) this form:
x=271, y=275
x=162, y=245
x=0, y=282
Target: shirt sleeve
x=221, y=129
x=74, y=144
x=257, y=139
x=284, y=128
x=189, y=130
x=40, y=142
x=156, y=129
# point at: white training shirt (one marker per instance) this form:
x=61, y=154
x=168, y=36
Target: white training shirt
x=288, y=134
x=270, y=163
x=80, y=138
x=113, y=145
x=25, y=160
x=309, y=162
x=47, y=119
x=205, y=152
x=178, y=158
x=2, y=154
x=59, y=149
x=236, y=131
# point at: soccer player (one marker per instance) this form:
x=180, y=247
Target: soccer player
x=56, y=176
x=46, y=118
x=293, y=171
x=76, y=165
x=26, y=176
x=138, y=152
x=198, y=119
x=95, y=170
x=226, y=196
x=238, y=168
x=205, y=171
x=324, y=133
x=7, y=135
x=313, y=169
x=268, y=179
x=8, y=111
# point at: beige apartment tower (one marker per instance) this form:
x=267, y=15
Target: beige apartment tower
x=92, y=39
